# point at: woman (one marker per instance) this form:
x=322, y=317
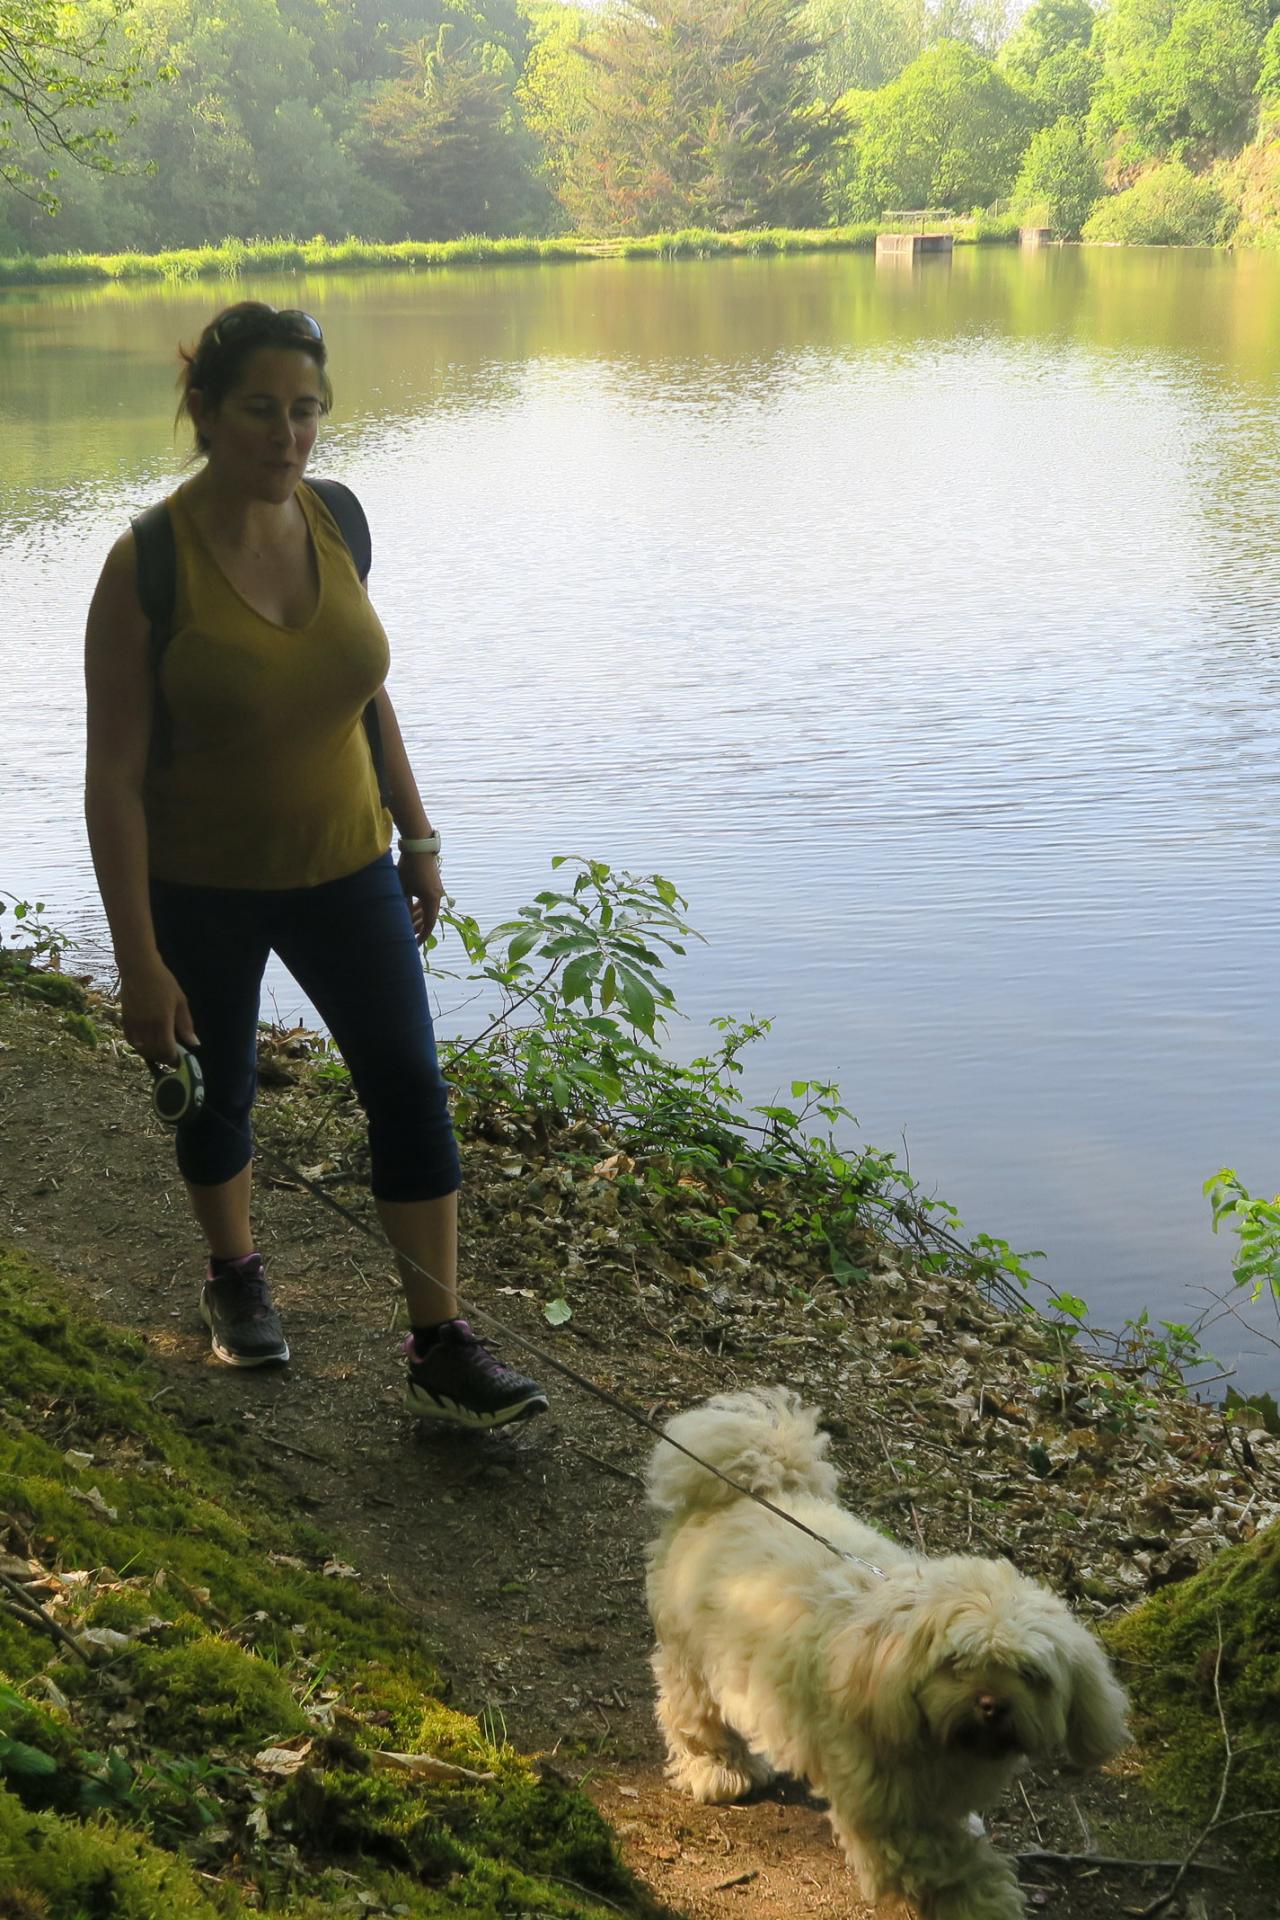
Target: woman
x=255, y=824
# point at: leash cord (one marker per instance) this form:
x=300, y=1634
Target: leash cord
x=635, y=1414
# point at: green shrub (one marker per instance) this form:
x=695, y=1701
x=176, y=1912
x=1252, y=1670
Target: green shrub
x=1168, y=207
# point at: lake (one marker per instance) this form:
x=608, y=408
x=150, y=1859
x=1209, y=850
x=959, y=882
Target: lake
x=919, y=623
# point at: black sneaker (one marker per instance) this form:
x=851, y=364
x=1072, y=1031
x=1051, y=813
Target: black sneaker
x=236, y=1307
x=459, y=1380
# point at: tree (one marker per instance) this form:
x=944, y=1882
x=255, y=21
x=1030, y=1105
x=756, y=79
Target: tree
x=553, y=91
x=1060, y=179
x=863, y=43
x=699, y=113
x=1045, y=30
x=1050, y=56
x=981, y=24
x=60, y=67
x=445, y=138
x=949, y=132
x=1178, y=76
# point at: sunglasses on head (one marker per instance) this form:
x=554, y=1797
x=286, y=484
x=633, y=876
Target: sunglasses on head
x=272, y=322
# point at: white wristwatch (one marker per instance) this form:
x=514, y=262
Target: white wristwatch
x=425, y=843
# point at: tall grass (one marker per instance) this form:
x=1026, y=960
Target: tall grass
x=234, y=257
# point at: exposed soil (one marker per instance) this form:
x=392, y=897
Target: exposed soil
x=524, y=1551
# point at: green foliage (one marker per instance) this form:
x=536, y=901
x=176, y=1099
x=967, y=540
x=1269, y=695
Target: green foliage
x=62, y=68
x=1178, y=77
x=1268, y=86
x=29, y=964
x=553, y=91
x=31, y=931
x=697, y=112
x=949, y=132
x=1257, y=1224
x=863, y=44
x=1050, y=56
x=1167, y=207
x=446, y=118
x=582, y=1005
x=1060, y=179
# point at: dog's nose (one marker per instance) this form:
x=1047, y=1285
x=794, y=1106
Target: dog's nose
x=991, y=1710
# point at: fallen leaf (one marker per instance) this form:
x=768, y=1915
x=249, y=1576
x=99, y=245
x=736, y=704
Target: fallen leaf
x=284, y=1760
x=92, y=1497
x=425, y=1766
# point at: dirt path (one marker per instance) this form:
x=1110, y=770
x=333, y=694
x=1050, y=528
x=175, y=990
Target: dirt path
x=523, y=1551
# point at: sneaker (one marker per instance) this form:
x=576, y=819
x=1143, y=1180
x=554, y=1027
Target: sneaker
x=459, y=1380
x=236, y=1307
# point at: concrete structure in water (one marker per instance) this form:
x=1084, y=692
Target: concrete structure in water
x=1036, y=236
x=911, y=246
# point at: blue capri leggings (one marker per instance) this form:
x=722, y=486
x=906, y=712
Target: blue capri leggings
x=350, y=946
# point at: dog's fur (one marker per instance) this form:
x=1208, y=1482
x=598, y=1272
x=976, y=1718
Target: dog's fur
x=908, y=1698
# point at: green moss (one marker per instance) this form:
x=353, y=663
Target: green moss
x=370, y=1816
x=81, y=1028
x=552, y=1832
x=19, y=976
x=210, y=1691
x=1224, y=1623
x=94, y=1872
x=102, y=1805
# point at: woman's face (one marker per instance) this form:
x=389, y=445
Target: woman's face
x=260, y=438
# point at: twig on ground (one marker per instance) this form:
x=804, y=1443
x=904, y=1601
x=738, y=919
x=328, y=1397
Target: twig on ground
x=1216, y=1820
x=1031, y=1815
x=623, y=1473
x=291, y=1446
x=738, y=1880
x=1082, y=1823
x=25, y=1606
x=1048, y=1857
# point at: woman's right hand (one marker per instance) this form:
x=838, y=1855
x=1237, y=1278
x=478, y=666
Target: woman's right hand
x=155, y=1012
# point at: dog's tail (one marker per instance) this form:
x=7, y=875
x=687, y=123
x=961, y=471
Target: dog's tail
x=766, y=1440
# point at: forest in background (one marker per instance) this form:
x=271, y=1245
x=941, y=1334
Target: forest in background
x=175, y=123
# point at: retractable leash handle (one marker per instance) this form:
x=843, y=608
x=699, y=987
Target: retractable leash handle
x=178, y=1092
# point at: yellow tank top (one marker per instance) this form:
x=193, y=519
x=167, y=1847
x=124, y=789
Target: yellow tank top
x=271, y=782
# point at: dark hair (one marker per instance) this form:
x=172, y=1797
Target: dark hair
x=212, y=366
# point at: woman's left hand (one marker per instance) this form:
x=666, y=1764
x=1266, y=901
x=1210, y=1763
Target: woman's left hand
x=423, y=889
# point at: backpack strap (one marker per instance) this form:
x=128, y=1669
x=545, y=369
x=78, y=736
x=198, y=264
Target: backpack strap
x=157, y=561
x=352, y=524
x=354, y=528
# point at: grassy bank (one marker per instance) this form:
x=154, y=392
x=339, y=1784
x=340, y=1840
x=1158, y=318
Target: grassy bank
x=201, y=1710
x=235, y=257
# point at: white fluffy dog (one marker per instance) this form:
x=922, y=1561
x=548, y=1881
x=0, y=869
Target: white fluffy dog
x=906, y=1691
